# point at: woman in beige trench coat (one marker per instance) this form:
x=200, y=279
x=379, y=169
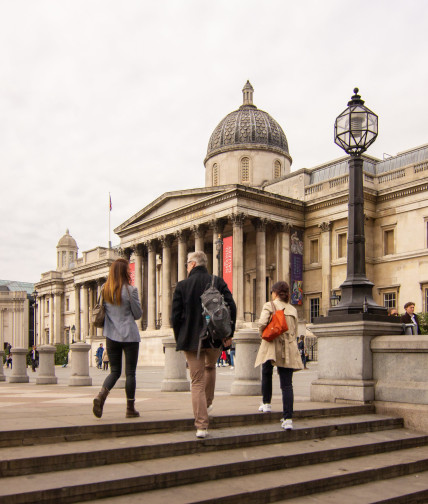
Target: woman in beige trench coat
x=281, y=352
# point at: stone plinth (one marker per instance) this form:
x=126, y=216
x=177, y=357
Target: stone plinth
x=247, y=377
x=46, y=371
x=80, y=365
x=2, y=376
x=175, y=374
x=345, y=365
x=19, y=366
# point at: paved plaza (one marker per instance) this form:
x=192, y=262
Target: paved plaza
x=27, y=405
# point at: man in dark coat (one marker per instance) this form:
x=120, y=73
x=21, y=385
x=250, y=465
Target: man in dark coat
x=410, y=317
x=188, y=325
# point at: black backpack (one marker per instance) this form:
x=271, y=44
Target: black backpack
x=216, y=315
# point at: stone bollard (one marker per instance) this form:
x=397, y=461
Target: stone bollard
x=80, y=365
x=247, y=377
x=19, y=366
x=2, y=376
x=46, y=371
x=175, y=374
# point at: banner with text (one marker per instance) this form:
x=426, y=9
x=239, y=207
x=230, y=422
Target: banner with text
x=228, y=261
x=296, y=264
x=132, y=272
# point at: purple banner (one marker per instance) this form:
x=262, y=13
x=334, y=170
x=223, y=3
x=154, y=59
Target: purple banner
x=296, y=266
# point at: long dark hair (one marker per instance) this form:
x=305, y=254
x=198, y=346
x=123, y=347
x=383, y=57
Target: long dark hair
x=117, y=277
x=282, y=290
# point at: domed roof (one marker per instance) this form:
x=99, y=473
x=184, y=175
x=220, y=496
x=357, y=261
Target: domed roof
x=67, y=241
x=247, y=127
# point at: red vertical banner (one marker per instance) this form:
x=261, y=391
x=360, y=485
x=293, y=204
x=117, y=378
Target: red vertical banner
x=228, y=262
x=132, y=272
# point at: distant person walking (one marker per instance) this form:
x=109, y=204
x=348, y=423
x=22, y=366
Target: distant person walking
x=99, y=356
x=188, y=324
x=282, y=352
x=302, y=350
x=122, y=308
x=410, y=317
x=34, y=356
x=105, y=360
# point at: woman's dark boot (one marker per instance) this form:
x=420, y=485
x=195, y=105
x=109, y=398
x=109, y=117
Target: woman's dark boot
x=131, y=412
x=99, y=402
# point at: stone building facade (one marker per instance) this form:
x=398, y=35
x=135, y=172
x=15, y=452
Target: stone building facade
x=278, y=225
x=66, y=296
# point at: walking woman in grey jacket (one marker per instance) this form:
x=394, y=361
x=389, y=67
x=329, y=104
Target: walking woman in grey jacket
x=122, y=309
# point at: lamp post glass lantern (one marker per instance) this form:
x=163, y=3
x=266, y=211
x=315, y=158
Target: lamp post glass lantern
x=355, y=129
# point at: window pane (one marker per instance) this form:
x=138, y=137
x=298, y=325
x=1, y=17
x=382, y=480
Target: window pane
x=314, y=308
x=389, y=300
x=313, y=251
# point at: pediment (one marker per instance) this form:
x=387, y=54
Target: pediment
x=169, y=203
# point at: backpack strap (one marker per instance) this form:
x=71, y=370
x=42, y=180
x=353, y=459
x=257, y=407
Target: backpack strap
x=212, y=281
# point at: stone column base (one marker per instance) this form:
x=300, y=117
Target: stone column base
x=2, y=376
x=247, y=377
x=19, y=366
x=343, y=391
x=80, y=365
x=415, y=415
x=175, y=374
x=46, y=372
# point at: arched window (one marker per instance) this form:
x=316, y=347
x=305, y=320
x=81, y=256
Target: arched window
x=215, y=174
x=245, y=169
x=277, y=169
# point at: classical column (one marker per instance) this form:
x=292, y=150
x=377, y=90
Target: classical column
x=77, y=312
x=238, y=264
x=42, y=332
x=100, y=282
x=283, y=252
x=199, y=232
x=166, y=281
x=151, y=286
x=182, y=236
x=59, y=335
x=325, y=266
x=51, y=320
x=218, y=228
x=145, y=286
x=138, y=254
x=85, y=312
x=260, y=225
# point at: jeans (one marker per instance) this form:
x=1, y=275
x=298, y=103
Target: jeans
x=114, y=350
x=286, y=383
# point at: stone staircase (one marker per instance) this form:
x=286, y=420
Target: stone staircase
x=334, y=454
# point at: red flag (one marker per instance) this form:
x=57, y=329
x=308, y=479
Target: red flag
x=110, y=202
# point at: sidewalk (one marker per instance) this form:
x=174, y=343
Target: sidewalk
x=27, y=405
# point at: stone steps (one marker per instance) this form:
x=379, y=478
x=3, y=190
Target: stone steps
x=246, y=458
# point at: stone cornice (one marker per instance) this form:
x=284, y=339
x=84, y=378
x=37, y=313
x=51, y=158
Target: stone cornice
x=402, y=193
x=248, y=146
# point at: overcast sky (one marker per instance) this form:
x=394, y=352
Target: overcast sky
x=122, y=96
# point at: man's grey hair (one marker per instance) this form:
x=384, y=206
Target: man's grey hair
x=199, y=257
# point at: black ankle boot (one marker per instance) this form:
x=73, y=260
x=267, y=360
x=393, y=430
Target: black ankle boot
x=99, y=402
x=131, y=412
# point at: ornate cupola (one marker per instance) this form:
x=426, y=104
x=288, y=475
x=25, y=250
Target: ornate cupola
x=66, y=252
x=247, y=147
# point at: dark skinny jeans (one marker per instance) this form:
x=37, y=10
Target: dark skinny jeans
x=286, y=383
x=114, y=351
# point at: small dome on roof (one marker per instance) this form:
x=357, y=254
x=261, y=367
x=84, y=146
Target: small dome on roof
x=67, y=241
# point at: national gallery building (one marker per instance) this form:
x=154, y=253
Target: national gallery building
x=258, y=222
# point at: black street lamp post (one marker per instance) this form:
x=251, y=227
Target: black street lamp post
x=355, y=130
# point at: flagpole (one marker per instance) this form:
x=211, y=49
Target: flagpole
x=109, y=213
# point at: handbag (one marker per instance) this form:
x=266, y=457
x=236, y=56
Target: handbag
x=277, y=325
x=99, y=312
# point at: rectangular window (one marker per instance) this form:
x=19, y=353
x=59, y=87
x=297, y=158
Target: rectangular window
x=67, y=304
x=313, y=251
x=47, y=305
x=390, y=300
x=314, y=308
x=388, y=242
x=425, y=300
x=341, y=245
